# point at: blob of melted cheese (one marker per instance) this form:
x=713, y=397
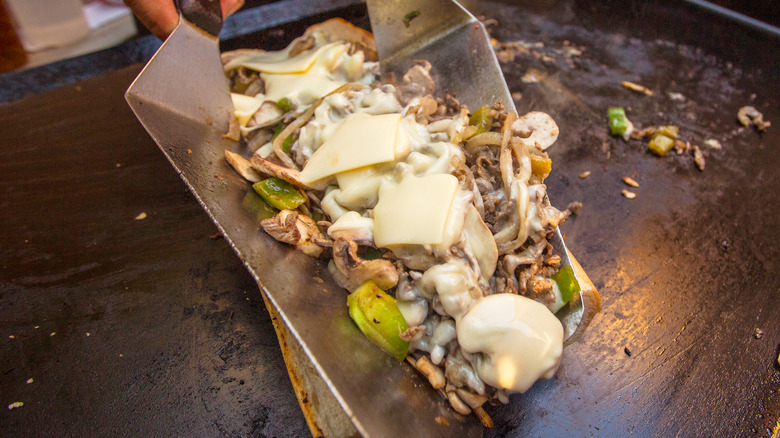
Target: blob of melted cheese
x=520, y=340
x=414, y=211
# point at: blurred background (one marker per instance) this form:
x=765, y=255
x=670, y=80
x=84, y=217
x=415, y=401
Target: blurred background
x=38, y=32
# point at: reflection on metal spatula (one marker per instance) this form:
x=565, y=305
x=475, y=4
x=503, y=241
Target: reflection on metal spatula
x=463, y=64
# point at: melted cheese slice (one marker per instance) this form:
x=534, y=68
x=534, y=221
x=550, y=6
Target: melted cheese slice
x=279, y=62
x=303, y=88
x=359, y=140
x=245, y=106
x=414, y=211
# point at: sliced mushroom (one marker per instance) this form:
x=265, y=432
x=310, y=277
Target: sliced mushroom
x=269, y=167
x=301, y=44
x=296, y=229
x=351, y=270
x=338, y=29
x=243, y=167
x=542, y=128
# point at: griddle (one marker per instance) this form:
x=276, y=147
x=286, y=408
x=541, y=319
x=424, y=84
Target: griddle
x=180, y=344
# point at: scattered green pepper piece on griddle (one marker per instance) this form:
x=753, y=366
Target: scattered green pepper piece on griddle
x=376, y=314
x=257, y=206
x=279, y=193
x=660, y=145
x=482, y=119
x=284, y=104
x=618, y=122
x=567, y=283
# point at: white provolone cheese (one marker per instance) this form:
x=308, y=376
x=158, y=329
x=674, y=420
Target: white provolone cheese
x=245, y=106
x=279, y=62
x=520, y=340
x=302, y=88
x=414, y=211
x=360, y=140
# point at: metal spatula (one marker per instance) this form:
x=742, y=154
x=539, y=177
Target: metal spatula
x=182, y=99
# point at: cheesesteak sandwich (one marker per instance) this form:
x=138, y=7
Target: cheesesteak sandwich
x=433, y=216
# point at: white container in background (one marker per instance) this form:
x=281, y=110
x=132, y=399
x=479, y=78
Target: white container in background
x=48, y=23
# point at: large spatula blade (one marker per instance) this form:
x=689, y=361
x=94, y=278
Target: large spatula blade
x=181, y=98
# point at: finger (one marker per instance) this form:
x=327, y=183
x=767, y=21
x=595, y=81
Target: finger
x=159, y=16
x=230, y=6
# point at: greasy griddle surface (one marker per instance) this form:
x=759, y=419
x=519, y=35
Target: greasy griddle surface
x=198, y=353
x=144, y=327
x=688, y=269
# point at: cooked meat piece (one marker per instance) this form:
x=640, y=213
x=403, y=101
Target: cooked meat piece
x=574, y=208
x=416, y=82
x=460, y=374
x=542, y=288
x=698, y=157
x=748, y=116
x=412, y=333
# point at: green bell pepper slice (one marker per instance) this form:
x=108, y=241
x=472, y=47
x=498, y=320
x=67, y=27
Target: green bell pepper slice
x=279, y=193
x=376, y=314
x=285, y=104
x=567, y=283
x=258, y=207
x=482, y=119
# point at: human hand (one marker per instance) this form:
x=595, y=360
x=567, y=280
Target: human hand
x=161, y=17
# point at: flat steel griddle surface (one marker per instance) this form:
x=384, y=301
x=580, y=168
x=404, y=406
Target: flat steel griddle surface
x=179, y=342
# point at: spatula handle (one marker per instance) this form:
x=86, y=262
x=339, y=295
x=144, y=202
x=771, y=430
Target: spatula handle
x=205, y=14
